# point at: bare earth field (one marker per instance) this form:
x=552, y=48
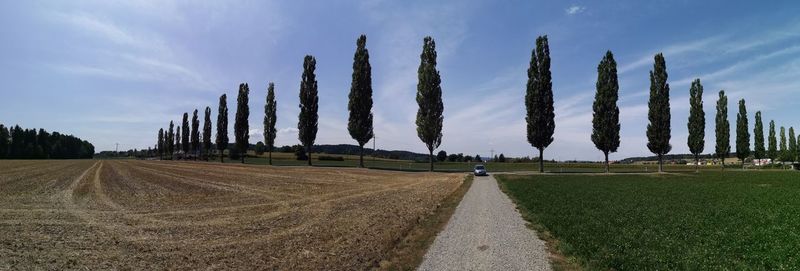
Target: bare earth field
x=183, y=215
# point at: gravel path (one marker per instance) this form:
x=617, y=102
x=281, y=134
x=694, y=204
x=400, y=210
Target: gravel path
x=486, y=232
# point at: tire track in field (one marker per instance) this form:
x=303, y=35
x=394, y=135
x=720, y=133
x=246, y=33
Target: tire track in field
x=100, y=192
x=239, y=171
x=314, y=211
x=212, y=184
x=68, y=194
x=296, y=203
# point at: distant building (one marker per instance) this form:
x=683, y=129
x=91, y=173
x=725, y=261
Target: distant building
x=762, y=162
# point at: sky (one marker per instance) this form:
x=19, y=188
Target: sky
x=117, y=71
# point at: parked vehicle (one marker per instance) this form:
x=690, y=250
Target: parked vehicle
x=480, y=170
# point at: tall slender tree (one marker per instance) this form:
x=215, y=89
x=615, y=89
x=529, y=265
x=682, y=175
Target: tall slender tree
x=429, y=99
x=170, y=140
x=658, y=130
x=605, y=121
x=539, y=100
x=742, y=133
x=207, y=133
x=783, y=151
x=792, y=149
x=309, y=104
x=195, y=148
x=222, y=127
x=723, y=129
x=270, y=118
x=160, y=144
x=185, y=134
x=178, y=139
x=772, y=149
x=759, y=151
x=241, y=127
x=360, y=104
x=697, y=122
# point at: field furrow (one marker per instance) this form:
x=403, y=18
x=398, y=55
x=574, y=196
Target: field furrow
x=198, y=215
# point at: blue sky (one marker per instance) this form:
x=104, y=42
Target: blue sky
x=116, y=72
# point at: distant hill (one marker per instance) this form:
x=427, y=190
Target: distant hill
x=349, y=149
x=669, y=157
x=355, y=150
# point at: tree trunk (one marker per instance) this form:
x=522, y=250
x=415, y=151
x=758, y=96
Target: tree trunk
x=696, y=163
x=361, y=157
x=243, y=154
x=430, y=158
x=607, y=169
x=742, y=164
x=541, y=160
x=270, y=157
x=309, y=156
x=660, y=163
x=723, y=163
x=222, y=156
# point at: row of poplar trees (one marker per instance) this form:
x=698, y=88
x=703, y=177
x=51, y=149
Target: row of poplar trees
x=605, y=121
x=540, y=116
x=359, y=125
x=606, y=126
x=360, y=122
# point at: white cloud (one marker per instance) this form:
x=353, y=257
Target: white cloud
x=575, y=9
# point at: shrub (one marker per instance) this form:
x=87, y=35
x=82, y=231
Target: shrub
x=330, y=158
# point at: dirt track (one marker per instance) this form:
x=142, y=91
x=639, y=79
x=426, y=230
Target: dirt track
x=183, y=215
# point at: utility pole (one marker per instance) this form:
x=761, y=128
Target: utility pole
x=116, y=150
x=491, y=157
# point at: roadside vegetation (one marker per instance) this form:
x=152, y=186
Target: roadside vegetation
x=733, y=220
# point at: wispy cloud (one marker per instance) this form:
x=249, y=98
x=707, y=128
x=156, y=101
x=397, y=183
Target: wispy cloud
x=137, y=57
x=575, y=9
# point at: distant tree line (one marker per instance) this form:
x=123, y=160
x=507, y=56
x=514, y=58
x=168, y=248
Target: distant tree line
x=18, y=143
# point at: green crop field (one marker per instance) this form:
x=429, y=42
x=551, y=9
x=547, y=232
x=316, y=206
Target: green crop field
x=739, y=220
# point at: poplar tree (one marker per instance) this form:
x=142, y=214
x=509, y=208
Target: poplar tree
x=309, y=104
x=170, y=140
x=429, y=99
x=697, y=122
x=783, y=151
x=658, y=129
x=605, y=120
x=723, y=129
x=178, y=139
x=185, y=134
x=207, y=132
x=360, y=104
x=539, y=100
x=160, y=144
x=195, y=134
x=222, y=127
x=792, y=156
x=759, y=152
x=772, y=149
x=241, y=127
x=270, y=118
x=742, y=133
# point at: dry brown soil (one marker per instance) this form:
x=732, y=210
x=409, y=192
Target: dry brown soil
x=146, y=215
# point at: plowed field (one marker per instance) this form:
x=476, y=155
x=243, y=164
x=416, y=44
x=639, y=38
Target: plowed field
x=184, y=215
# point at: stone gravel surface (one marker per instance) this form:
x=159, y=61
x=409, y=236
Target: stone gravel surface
x=486, y=232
